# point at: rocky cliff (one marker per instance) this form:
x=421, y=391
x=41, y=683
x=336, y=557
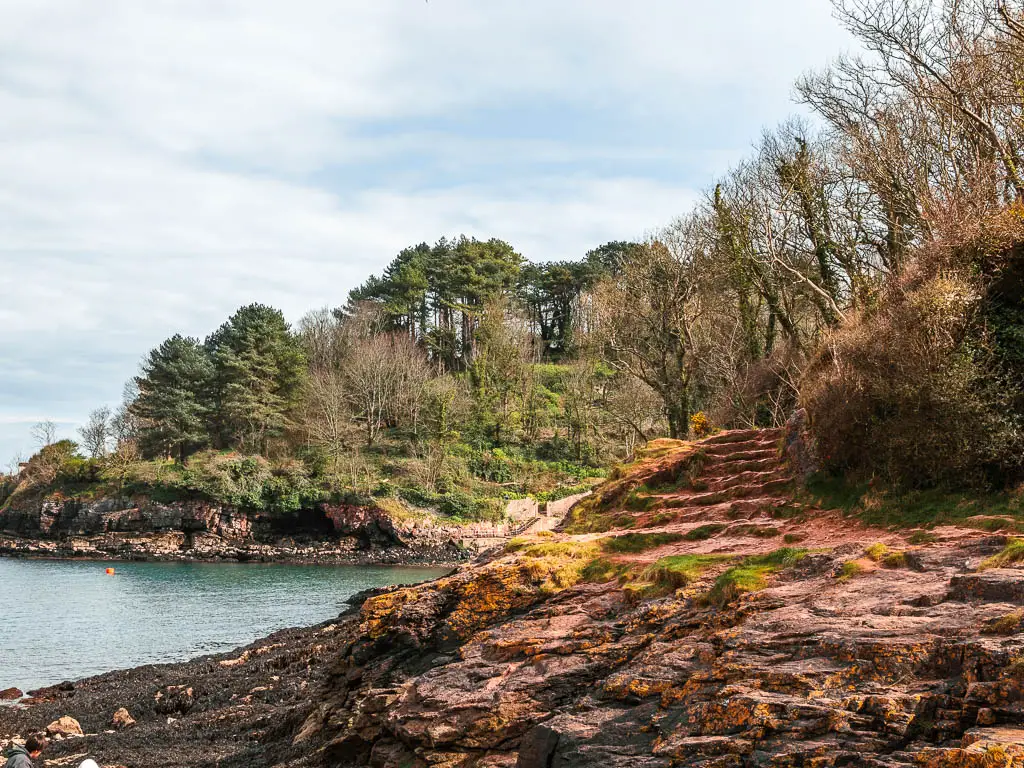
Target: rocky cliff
x=142, y=528
x=694, y=612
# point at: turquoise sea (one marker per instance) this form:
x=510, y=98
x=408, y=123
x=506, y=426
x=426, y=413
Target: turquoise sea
x=66, y=620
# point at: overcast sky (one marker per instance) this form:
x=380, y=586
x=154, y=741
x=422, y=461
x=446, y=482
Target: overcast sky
x=163, y=162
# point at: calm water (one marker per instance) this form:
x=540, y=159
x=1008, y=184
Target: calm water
x=66, y=620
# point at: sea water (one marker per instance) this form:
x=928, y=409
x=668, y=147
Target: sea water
x=63, y=620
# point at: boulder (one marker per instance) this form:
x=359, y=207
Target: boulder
x=11, y=694
x=174, y=699
x=64, y=727
x=122, y=719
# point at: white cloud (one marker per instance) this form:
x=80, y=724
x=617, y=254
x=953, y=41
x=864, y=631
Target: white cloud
x=163, y=162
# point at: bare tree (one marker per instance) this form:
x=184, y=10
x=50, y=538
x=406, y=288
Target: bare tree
x=44, y=433
x=328, y=416
x=646, y=314
x=97, y=433
x=124, y=424
x=634, y=412
x=384, y=380
x=122, y=461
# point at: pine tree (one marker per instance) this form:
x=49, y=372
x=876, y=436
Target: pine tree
x=173, y=404
x=258, y=371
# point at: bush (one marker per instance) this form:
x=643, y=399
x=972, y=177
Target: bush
x=493, y=466
x=700, y=425
x=457, y=505
x=922, y=390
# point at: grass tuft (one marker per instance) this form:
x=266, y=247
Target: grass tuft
x=1012, y=553
x=633, y=543
x=704, y=532
x=850, y=569
x=1009, y=624
x=758, y=531
x=752, y=574
x=876, y=552
x=677, y=571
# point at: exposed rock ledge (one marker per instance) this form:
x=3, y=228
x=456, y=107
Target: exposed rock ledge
x=523, y=660
x=484, y=669
x=142, y=529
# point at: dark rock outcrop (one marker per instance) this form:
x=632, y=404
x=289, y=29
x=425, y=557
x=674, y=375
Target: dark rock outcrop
x=143, y=529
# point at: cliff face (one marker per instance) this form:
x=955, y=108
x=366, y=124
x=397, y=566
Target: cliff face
x=54, y=518
x=672, y=628
x=143, y=528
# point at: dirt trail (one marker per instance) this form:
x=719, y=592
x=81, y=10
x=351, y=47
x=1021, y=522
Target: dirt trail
x=742, y=500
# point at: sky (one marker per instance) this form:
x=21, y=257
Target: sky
x=164, y=162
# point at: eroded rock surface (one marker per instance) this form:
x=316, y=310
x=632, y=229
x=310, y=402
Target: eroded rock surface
x=518, y=661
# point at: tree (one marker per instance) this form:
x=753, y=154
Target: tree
x=44, y=433
x=634, y=412
x=327, y=413
x=174, y=403
x=258, y=368
x=645, y=314
x=120, y=463
x=97, y=433
x=124, y=424
x=434, y=294
x=552, y=293
x=383, y=381
x=502, y=370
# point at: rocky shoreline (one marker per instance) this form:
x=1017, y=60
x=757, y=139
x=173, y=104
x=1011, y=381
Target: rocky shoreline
x=677, y=632
x=169, y=548
x=212, y=710
x=488, y=668
x=141, y=529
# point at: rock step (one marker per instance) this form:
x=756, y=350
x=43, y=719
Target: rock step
x=739, y=492
x=998, y=585
x=729, y=449
x=739, y=435
x=746, y=455
x=724, y=482
x=727, y=465
x=725, y=511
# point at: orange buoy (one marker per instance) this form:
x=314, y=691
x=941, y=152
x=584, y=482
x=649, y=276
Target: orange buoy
x=110, y=571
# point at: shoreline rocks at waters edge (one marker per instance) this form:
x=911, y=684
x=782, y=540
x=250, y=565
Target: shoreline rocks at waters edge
x=196, y=531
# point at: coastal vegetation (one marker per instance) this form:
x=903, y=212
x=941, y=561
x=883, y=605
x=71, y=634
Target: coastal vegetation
x=867, y=266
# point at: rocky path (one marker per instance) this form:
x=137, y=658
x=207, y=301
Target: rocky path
x=585, y=649
x=738, y=497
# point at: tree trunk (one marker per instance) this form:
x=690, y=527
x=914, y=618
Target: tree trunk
x=678, y=412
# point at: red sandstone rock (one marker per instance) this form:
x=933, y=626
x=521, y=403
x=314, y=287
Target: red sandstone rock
x=64, y=727
x=122, y=719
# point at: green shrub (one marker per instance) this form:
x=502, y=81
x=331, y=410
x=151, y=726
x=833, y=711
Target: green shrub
x=493, y=466
x=752, y=574
x=638, y=542
x=703, y=532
